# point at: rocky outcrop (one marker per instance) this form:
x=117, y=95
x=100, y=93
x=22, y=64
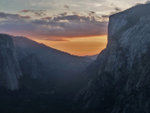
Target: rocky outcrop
x=9, y=66
x=122, y=80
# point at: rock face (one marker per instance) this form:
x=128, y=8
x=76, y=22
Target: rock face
x=9, y=66
x=121, y=81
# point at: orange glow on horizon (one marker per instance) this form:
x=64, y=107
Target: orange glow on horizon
x=80, y=46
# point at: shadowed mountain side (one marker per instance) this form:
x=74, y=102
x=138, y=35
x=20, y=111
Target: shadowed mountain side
x=121, y=72
x=55, y=67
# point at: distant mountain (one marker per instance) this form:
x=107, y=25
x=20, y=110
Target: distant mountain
x=36, y=62
x=120, y=77
x=54, y=67
x=52, y=58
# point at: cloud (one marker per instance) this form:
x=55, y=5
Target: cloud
x=105, y=16
x=67, y=7
x=117, y=9
x=53, y=28
x=92, y=12
x=13, y=16
x=63, y=14
x=39, y=13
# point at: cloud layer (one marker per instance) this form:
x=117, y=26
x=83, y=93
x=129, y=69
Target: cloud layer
x=52, y=28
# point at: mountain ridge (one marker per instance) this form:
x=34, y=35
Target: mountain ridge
x=38, y=61
x=25, y=38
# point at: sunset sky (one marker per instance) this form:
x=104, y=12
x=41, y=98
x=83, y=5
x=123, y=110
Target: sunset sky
x=78, y=27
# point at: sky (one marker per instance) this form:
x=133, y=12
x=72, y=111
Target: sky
x=78, y=27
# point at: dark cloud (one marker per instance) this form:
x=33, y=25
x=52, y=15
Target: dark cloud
x=35, y=12
x=60, y=26
x=63, y=14
x=67, y=7
x=13, y=16
x=47, y=18
x=92, y=12
x=105, y=16
x=75, y=13
x=117, y=9
x=72, y=26
x=70, y=18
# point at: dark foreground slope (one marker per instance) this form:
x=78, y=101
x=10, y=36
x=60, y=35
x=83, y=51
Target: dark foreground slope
x=121, y=72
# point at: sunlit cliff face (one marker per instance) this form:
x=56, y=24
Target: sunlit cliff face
x=80, y=46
